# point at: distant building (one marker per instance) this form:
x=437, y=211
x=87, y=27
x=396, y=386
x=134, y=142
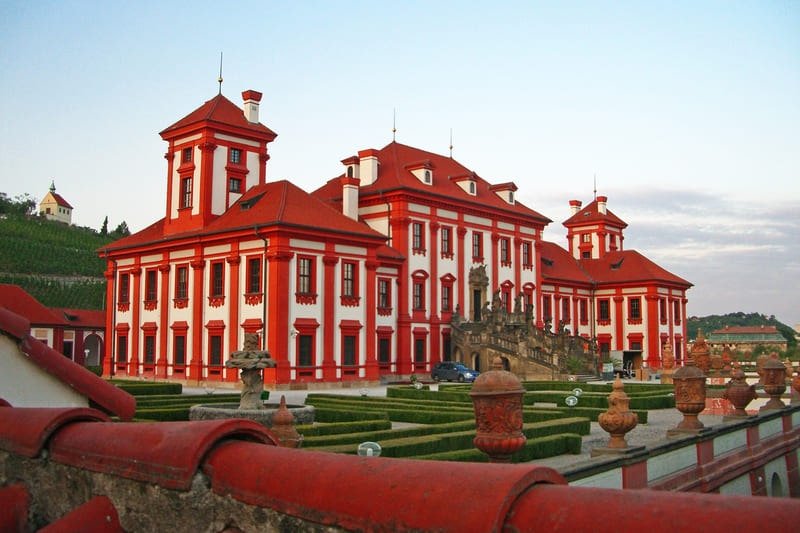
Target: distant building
x=54, y=207
x=359, y=279
x=747, y=338
x=76, y=333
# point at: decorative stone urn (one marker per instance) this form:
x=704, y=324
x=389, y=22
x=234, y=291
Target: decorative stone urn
x=667, y=363
x=251, y=361
x=789, y=369
x=283, y=427
x=701, y=354
x=739, y=393
x=796, y=386
x=774, y=379
x=618, y=419
x=717, y=363
x=497, y=398
x=690, y=397
x=760, y=360
x=727, y=359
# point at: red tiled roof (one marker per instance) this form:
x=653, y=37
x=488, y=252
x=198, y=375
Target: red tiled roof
x=60, y=200
x=278, y=203
x=628, y=266
x=82, y=318
x=15, y=299
x=558, y=265
x=219, y=110
x=394, y=173
x=590, y=214
x=748, y=330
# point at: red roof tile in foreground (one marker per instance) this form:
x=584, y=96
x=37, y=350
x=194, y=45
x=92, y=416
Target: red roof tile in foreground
x=98, y=515
x=16, y=501
x=628, y=267
x=15, y=299
x=590, y=214
x=219, y=110
x=275, y=204
x=25, y=430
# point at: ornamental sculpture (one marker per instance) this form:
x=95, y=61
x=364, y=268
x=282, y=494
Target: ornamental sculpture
x=251, y=361
x=497, y=398
x=283, y=427
x=618, y=419
x=701, y=354
x=690, y=397
x=667, y=363
x=774, y=378
x=739, y=393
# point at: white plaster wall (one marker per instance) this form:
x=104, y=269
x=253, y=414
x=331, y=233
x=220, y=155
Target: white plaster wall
x=43, y=334
x=738, y=487
x=417, y=208
x=351, y=250
x=445, y=213
x=181, y=254
x=239, y=140
x=471, y=219
x=505, y=225
x=216, y=250
x=770, y=428
x=729, y=442
x=611, y=479
x=219, y=183
x=24, y=384
x=671, y=462
x=777, y=467
x=306, y=245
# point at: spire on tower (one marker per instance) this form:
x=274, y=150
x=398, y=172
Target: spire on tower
x=595, y=185
x=451, y=143
x=53, y=186
x=219, y=79
x=394, y=123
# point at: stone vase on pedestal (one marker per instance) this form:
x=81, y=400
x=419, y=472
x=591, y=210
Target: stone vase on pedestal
x=618, y=420
x=667, y=363
x=740, y=394
x=774, y=379
x=690, y=398
x=796, y=387
x=283, y=427
x=701, y=354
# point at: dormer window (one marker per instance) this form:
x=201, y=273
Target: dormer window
x=472, y=187
x=511, y=197
x=422, y=170
x=504, y=191
x=186, y=155
x=350, y=171
x=235, y=156
x=427, y=176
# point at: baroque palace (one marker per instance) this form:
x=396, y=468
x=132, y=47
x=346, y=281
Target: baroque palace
x=359, y=279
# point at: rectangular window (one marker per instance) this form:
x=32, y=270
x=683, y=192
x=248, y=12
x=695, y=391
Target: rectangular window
x=477, y=246
x=676, y=310
x=151, y=286
x=186, y=193
x=635, y=308
x=349, y=350
x=526, y=255
x=254, y=275
x=565, y=315
x=235, y=156
x=235, y=185
x=180, y=350
x=446, y=297
x=505, y=252
x=586, y=237
x=149, y=349
x=186, y=155
x=215, y=350
x=305, y=350
x=447, y=244
x=636, y=345
x=122, y=349
x=604, y=310
x=217, y=282
x=305, y=275
x=384, y=350
x=384, y=294
x=662, y=310
x=419, y=350
x=547, y=307
x=349, y=279
x=182, y=283
x=418, y=296
x=583, y=311
x=124, y=288
x=417, y=237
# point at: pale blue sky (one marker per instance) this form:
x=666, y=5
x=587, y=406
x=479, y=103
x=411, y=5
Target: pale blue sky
x=687, y=112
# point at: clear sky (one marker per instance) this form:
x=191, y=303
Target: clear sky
x=688, y=113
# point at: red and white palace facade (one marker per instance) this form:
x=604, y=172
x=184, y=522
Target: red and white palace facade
x=360, y=278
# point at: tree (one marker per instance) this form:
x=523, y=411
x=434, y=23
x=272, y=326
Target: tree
x=122, y=230
x=104, y=227
x=23, y=204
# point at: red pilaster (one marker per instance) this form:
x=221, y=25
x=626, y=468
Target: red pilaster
x=111, y=309
x=263, y=157
x=495, y=263
x=705, y=452
x=234, y=260
x=462, y=281
x=163, y=321
x=136, y=298
x=653, y=339
x=329, y=307
x=169, y=156
x=400, y=242
x=634, y=475
x=517, y=264
x=537, y=262
x=371, y=366
x=619, y=323
x=435, y=340
x=206, y=180
x=198, y=303
x=278, y=298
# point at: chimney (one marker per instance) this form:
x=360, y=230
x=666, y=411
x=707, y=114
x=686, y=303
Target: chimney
x=575, y=206
x=251, y=100
x=350, y=196
x=601, y=205
x=369, y=166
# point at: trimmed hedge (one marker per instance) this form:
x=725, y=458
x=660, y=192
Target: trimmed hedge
x=163, y=415
x=536, y=448
x=339, y=428
x=389, y=434
x=143, y=388
x=600, y=401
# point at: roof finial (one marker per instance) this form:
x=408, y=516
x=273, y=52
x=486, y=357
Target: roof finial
x=451, y=143
x=394, y=123
x=219, y=79
x=595, y=185
x=53, y=186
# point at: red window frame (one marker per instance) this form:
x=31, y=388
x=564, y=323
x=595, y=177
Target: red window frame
x=634, y=310
x=527, y=261
x=350, y=294
x=547, y=307
x=384, y=338
x=418, y=288
x=662, y=310
x=583, y=311
x=447, y=282
x=181, y=285
x=447, y=242
x=565, y=308
x=505, y=251
x=186, y=155
x=124, y=293
x=477, y=246
x=235, y=156
x=676, y=310
x=253, y=273
x=186, y=192
x=418, y=238
x=349, y=332
x=306, y=329
x=150, y=287
x=306, y=279
x=604, y=311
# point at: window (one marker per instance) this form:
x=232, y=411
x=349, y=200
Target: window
x=427, y=176
x=384, y=294
x=235, y=156
x=676, y=311
x=604, y=312
x=583, y=311
x=635, y=309
x=586, y=237
x=305, y=350
x=565, y=315
x=349, y=279
x=254, y=275
x=419, y=350
x=505, y=251
x=186, y=155
x=186, y=193
x=349, y=350
x=417, y=237
x=662, y=310
x=217, y=281
x=419, y=295
x=122, y=348
x=182, y=283
x=235, y=185
x=124, y=288
x=636, y=345
x=526, y=255
x=586, y=255
x=179, y=357
x=151, y=286
x=447, y=242
x=477, y=246
x=511, y=197
x=446, y=297
x=149, y=349
x=215, y=350
x=305, y=275
x=547, y=307
x=472, y=187
x=384, y=351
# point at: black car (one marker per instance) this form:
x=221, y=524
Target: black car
x=451, y=371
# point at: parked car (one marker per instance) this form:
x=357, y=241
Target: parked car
x=452, y=371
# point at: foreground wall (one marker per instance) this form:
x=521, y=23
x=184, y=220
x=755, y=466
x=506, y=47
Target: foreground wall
x=69, y=467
